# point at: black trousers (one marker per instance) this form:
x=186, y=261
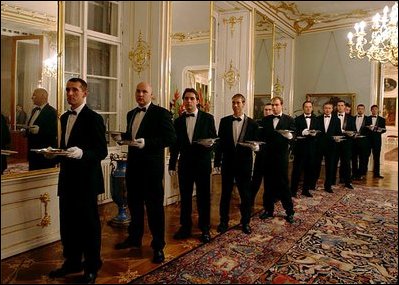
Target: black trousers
x=80, y=231
x=242, y=180
x=203, y=192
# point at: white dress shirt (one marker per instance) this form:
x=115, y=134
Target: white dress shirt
x=71, y=122
x=359, y=122
x=237, y=126
x=341, y=117
x=137, y=120
x=327, y=121
x=190, y=124
x=276, y=120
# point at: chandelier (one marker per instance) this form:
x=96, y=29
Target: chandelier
x=383, y=44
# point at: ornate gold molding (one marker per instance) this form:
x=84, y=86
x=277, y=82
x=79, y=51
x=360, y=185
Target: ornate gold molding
x=303, y=22
x=140, y=56
x=233, y=20
x=278, y=46
x=231, y=76
x=46, y=220
x=278, y=88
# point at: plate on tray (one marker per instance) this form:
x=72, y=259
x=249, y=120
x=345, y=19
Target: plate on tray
x=53, y=151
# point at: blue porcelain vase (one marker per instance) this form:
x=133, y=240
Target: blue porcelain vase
x=118, y=189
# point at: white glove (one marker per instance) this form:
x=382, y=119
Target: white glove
x=255, y=147
x=139, y=143
x=217, y=170
x=75, y=152
x=206, y=143
x=288, y=135
x=172, y=172
x=34, y=129
x=305, y=132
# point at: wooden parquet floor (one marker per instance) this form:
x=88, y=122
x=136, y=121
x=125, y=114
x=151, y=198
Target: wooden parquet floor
x=121, y=266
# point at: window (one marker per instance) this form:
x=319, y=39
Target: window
x=92, y=53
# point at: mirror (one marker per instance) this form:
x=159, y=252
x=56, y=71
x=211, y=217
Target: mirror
x=263, y=55
x=28, y=62
x=190, y=53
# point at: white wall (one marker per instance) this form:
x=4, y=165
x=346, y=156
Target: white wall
x=322, y=65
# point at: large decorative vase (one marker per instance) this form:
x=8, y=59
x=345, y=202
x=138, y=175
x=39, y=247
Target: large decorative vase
x=118, y=189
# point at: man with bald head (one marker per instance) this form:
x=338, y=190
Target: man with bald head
x=149, y=131
x=41, y=130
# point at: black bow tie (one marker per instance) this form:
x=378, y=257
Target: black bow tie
x=35, y=109
x=278, y=117
x=326, y=116
x=308, y=117
x=142, y=109
x=70, y=112
x=189, y=115
x=360, y=116
x=374, y=116
x=236, y=119
x=341, y=115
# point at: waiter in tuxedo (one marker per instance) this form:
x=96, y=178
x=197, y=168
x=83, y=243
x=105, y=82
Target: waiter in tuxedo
x=360, y=147
x=277, y=150
x=195, y=164
x=330, y=126
x=305, y=151
x=344, y=147
x=80, y=181
x=150, y=130
x=376, y=127
x=234, y=160
x=41, y=131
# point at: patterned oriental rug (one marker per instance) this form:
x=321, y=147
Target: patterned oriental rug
x=350, y=236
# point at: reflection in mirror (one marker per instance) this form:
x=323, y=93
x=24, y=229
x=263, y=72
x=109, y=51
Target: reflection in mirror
x=263, y=63
x=28, y=75
x=190, y=52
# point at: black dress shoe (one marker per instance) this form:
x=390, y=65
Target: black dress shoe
x=63, y=271
x=349, y=186
x=290, y=219
x=89, y=278
x=246, y=229
x=378, y=176
x=159, y=256
x=307, y=194
x=329, y=190
x=222, y=228
x=205, y=237
x=182, y=234
x=127, y=243
x=266, y=215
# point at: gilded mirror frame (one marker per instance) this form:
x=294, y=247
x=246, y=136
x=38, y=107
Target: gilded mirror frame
x=59, y=81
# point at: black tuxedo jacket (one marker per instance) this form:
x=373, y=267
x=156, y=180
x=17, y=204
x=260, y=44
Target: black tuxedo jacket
x=349, y=122
x=300, y=125
x=80, y=176
x=275, y=142
x=334, y=129
x=363, y=129
x=193, y=156
x=231, y=156
x=47, y=135
x=158, y=132
x=374, y=136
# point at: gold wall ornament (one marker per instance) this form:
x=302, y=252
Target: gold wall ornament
x=278, y=88
x=140, y=56
x=231, y=76
x=46, y=220
x=232, y=21
x=278, y=46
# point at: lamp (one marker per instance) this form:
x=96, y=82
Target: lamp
x=50, y=67
x=383, y=44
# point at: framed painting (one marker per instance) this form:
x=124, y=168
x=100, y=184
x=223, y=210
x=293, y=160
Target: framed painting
x=319, y=99
x=389, y=111
x=259, y=102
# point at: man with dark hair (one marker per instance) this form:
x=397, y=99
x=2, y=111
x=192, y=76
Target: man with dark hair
x=277, y=132
x=305, y=150
x=80, y=181
x=234, y=159
x=195, y=132
x=376, y=126
x=360, y=147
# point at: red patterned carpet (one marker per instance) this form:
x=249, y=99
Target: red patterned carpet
x=349, y=237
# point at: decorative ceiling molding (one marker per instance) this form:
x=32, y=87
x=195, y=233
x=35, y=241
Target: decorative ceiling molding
x=18, y=15
x=181, y=38
x=303, y=22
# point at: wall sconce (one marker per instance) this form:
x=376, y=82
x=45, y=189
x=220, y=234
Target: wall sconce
x=50, y=67
x=140, y=56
